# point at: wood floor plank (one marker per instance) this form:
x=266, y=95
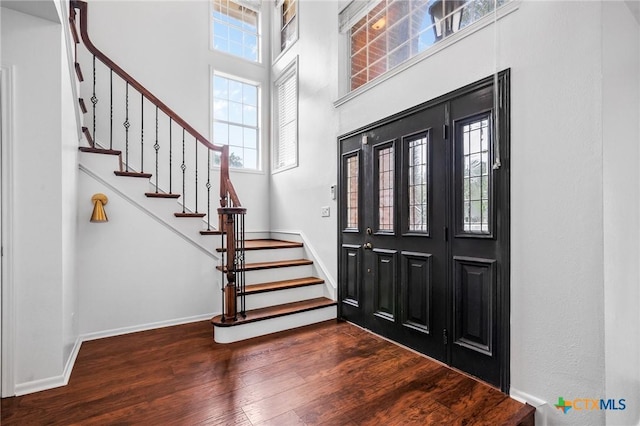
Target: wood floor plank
x=329, y=373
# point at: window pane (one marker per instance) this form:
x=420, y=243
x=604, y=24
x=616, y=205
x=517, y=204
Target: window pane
x=385, y=189
x=235, y=119
x=285, y=145
x=376, y=37
x=235, y=29
x=475, y=176
x=417, y=174
x=352, y=192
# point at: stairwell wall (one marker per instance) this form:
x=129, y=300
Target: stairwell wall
x=43, y=209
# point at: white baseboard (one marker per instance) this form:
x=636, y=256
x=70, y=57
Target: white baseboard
x=51, y=382
x=144, y=327
x=542, y=407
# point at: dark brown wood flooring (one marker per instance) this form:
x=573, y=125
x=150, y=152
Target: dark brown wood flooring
x=329, y=373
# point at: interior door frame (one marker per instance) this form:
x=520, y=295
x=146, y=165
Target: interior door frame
x=7, y=311
x=501, y=82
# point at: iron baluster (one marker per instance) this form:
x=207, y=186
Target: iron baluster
x=196, y=180
x=170, y=152
x=110, y=109
x=208, y=191
x=183, y=166
x=126, y=125
x=156, y=146
x=94, y=99
x=142, y=133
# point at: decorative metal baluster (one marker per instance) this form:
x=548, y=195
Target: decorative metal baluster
x=156, y=146
x=111, y=109
x=170, y=152
x=94, y=100
x=126, y=125
x=196, y=183
x=142, y=133
x=183, y=167
x=208, y=191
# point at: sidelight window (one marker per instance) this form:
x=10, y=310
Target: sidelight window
x=475, y=194
x=386, y=177
x=352, y=171
x=418, y=176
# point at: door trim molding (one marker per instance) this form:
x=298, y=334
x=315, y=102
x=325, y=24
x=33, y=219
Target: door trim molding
x=7, y=348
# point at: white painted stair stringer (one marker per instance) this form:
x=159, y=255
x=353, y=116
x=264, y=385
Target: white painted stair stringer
x=162, y=210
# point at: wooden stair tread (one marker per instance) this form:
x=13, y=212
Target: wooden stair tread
x=211, y=232
x=282, y=285
x=161, y=195
x=83, y=106
x=100, y=150
x=133, y=174
x=270, y=265
x=189, y=214
x=275, y=311
x=265, y=244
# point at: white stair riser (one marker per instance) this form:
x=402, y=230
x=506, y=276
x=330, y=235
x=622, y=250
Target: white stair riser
x=273, y=325
x=278, y=274
x=280, y=297
x=273, y=255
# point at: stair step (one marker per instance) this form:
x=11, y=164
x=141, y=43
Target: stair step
x=269, y=265
x=282, y=285
x=275, y=312
x=133, y=174
x=79, y=72
x=74, y=30
x=189, y=214
x=265, y=245
x=87, y=135
x=212, y=232
x=100, y=150
x=161, y=195
x=83, y=106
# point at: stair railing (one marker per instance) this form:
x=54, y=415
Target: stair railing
x=175, y=131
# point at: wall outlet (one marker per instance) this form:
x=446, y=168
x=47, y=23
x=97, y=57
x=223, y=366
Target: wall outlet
x=325, y=212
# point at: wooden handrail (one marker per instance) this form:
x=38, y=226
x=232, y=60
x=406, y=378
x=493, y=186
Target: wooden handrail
x=226, y=186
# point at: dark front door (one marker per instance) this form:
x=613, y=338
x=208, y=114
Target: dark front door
x=424, y=230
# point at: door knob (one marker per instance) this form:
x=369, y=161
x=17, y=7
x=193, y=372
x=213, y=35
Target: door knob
x=367, y=246
x=369, y=231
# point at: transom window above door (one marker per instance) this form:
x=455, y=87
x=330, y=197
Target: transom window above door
x=383, y=34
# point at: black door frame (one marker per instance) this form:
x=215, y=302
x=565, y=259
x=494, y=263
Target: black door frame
x=501, y=81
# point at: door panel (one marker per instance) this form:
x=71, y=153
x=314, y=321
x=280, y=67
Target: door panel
x=424, y=229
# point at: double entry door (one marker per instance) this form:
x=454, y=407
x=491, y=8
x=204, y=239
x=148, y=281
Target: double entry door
x=423, y=256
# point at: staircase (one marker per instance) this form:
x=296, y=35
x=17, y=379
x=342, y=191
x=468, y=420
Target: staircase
x=267, y=285
x=280, y=292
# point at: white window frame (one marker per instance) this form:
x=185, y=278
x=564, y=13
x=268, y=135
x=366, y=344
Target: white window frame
x=276, y=33
x=254, y=5
x=259, y=127
x=291, y=71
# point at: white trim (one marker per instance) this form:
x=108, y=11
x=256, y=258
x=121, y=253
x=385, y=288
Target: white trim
x=321, y=268
x=7, y=350
x=157, y=218
x=542, y=407
x=481, y=23
x=145, y=327
x=55, y=381
x=291, y=70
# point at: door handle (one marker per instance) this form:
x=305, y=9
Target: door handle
x=367, y=246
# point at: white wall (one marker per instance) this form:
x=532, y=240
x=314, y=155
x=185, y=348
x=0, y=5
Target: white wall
x=43, y=184
x=621, y=185
x=165, y=46
x=136, y=273
x=554, y=50
x=298, y=194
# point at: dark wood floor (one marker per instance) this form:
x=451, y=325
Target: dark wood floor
x=330, y=373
